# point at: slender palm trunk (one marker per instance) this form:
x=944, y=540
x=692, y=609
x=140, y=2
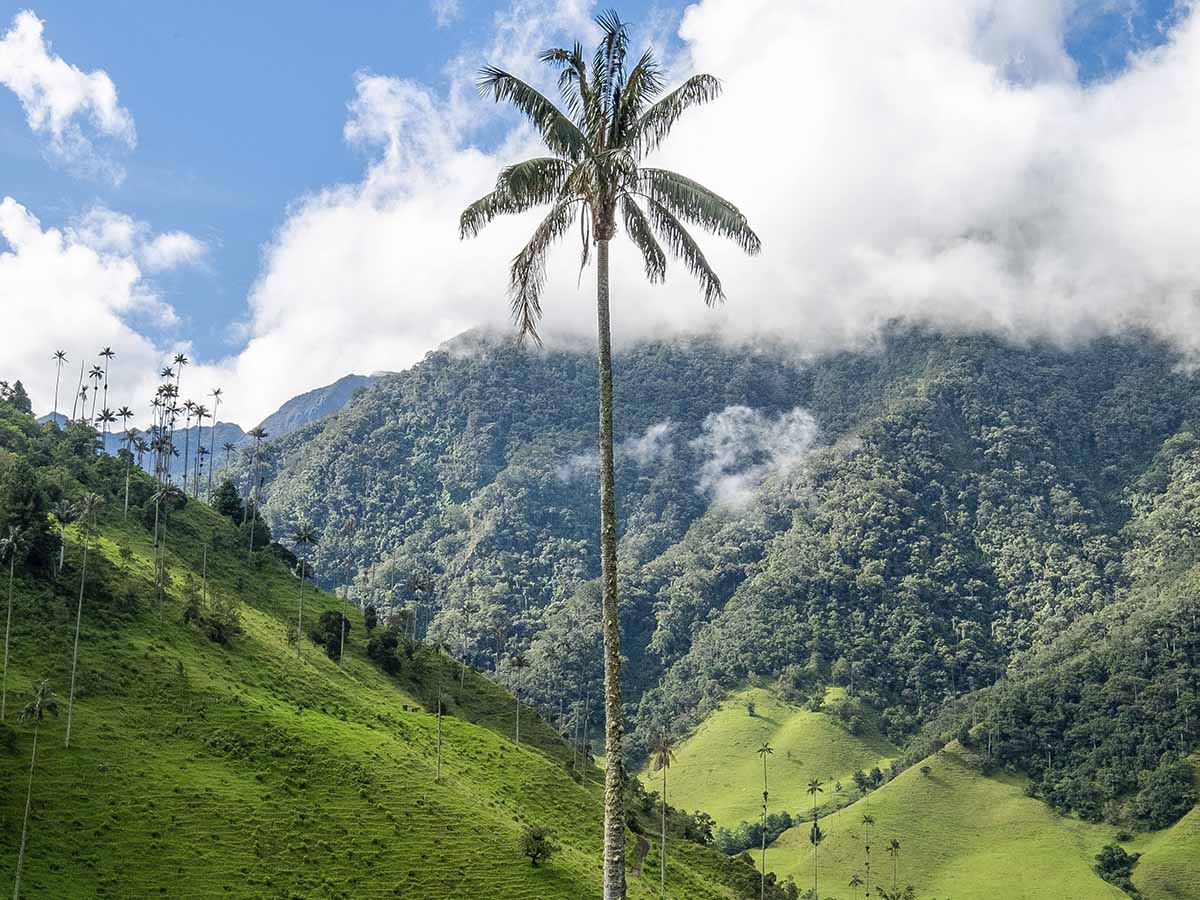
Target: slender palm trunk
x=439, y=726
x=7, y=628
x=57, y=378
x=25, y=821
x=762, y=888
x=127, y=464
x=87, y=534
x=614, y=763
x=187, y=451
x=300, y=614
x=78, y=391
x=517, y=695
x=204, y=575
x=342, y=650
x=212, y=437
x=662, y=863
x=62, y=545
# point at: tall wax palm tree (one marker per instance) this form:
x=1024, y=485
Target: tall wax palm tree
x=42, y=702
x=519, y=664
x=303, y=536
x=89, y=508
x=815, y=835
x=868, y=820
x=259, y=434
x=10, y=545
x=200, y=411
x=212, y=438
x=764, y=751
x=855, y=883
x=107, y=417
x=228, y=447
x=201, y=456
x=893, y=850
x=131, y=440
x=165, y=498
x=78, y=393
x=82, y=398
x=663, y=754
x=60, y=357
x=189, y=409
x=141, y=447
x=612, y=117
x=65, y=512
x=107, y=354
x=97, y=375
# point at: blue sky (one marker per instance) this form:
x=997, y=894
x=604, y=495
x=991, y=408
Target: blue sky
x=342, y=253
x=239, y=108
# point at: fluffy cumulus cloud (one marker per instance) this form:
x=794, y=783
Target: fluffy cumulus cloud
x=77, y=113
x=446, y=12
x=741, y=446
x=80, y=288
x=936, y=163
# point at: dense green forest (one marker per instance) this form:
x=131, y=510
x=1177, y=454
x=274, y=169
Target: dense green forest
x=930, y=519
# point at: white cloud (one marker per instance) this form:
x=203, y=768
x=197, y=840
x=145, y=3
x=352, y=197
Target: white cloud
x=171, y=250
x=742, y=446
x=934, y=163
x=446, y=12
x=59, y=98
x=652, y=447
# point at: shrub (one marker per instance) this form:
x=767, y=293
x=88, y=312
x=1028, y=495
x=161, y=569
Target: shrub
x=1115, y=866
x=1165, y=794
x=536, y=844
x=327, y=634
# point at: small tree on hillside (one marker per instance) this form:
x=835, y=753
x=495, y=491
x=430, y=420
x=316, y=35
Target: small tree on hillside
x=42, y=702
x=536, y=844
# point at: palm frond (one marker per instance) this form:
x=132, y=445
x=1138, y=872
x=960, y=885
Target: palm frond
x=558, y=131
x=656, y=123
x=637, y=226
x=573, y=82
x=527, y=276
x=645, y=82
x=693, y=202
x=684, y=247
x=608, y=64
x=519, y=188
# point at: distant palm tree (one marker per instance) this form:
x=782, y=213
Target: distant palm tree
x=259, y=434
x=868, y=820
x=201, y=412
x=212, y=437
x=97, y=375
x=132, y=439
x=663, y=753
x=855, y=883
x=10, y=545
x=303, y=536
x=764, y=751
x=189, y=408
x=519, y=664
x=894, y=852
x=107, y=417
x=167, y=496
x=612, y=117
x=42, y=702
x=180, y=362
x=815, y=836
x=65, y=512
x=89, y=508
x=107, y=354
x=60, y=357
x=228, y=447
x=78, y=392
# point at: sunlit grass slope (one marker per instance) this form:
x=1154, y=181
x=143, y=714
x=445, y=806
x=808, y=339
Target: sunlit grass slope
x=972, y=837
x=718, y=770
x=201, y=771
x=1170, y=863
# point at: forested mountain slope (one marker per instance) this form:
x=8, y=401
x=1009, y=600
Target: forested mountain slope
x=916, y=515
x=212, y=754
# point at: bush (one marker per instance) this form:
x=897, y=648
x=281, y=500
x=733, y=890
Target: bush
x=327, y=634
x=1115, y=866
x=536, y=844
x=217, y=616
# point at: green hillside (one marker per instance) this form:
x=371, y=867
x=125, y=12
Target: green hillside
x=200, y=770
x=718, y=771
x=971, y=837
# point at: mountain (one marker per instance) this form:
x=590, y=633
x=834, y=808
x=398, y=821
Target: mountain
x=211, y=756
x=309, y=407
x=912, y=522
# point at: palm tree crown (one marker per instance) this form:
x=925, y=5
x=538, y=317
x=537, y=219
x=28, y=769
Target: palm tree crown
x=42, y=702
x=663, y=751
x=611, y=118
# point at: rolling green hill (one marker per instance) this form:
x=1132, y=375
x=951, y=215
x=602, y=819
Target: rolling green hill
x=973, y=837
x=252, y=769
x=717, y=769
